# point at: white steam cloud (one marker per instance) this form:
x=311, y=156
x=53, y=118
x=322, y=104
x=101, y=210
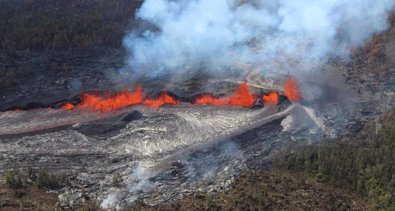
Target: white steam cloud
x=278, y=36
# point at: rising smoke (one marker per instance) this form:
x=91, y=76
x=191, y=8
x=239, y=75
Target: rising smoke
x=225, y=36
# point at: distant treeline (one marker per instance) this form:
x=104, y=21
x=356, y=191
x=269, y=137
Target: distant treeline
x=366, y=167
x=60, y=24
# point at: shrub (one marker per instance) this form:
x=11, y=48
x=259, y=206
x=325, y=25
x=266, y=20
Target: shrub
x=363, y=166
x=14, y=179
x=49, y=181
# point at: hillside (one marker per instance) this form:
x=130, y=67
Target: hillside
x=62, y=25
x=51, y=51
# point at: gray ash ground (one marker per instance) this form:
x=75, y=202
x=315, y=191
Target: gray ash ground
x=173, y=151
x=39, y=79
x=166, y=154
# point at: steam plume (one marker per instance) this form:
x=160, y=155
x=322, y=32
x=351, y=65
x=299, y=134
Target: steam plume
x=278, y=36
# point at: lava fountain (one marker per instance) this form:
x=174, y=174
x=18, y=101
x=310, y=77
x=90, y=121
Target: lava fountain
x=291, y=90
x=242, y=97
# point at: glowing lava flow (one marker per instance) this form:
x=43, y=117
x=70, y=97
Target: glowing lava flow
x=67, y=106
x=271, y=98
x=208, y=99
x=162, y=100
x=291, y=90
x=242, y=97
x=116, y=101
x=120, y=100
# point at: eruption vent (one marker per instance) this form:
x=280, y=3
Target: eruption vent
x=271, y=98
x=242, y=97
x=291, y=90
x=67, y=106
x=162, y=100
x=114, y=102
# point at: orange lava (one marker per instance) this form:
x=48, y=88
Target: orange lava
x=67, y=106
x=270, y=99
x=242, y=97
x=162, y=100
x=291, y=90
x=114, y=102
x=208, y=99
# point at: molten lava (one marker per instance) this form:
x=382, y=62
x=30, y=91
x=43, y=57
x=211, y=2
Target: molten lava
x=242, y=97
x=123, y=99
x=208, y=99
x=162, y=100
x=67, y=106
x=291, y=90
x=270, y=99
x=115, y=101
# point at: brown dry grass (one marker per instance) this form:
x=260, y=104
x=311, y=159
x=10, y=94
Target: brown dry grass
x=30, y=198
x=269, y=190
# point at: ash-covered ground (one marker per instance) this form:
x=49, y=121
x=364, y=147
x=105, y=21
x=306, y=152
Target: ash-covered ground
x=165, y=154
x=174, y=150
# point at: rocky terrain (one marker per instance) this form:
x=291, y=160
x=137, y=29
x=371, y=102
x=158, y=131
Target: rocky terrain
x=33, y=80
x=156, y=157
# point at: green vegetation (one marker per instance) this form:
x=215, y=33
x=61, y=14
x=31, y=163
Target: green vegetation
x=27, y=190
x=27, y=198
x=366, y=167
x=255, y=189
x=49, y=181
x=59, y=24
x=41, y=179
x=267, y=190
x=14, y=179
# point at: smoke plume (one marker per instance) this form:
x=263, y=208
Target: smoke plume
x=222, y=37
